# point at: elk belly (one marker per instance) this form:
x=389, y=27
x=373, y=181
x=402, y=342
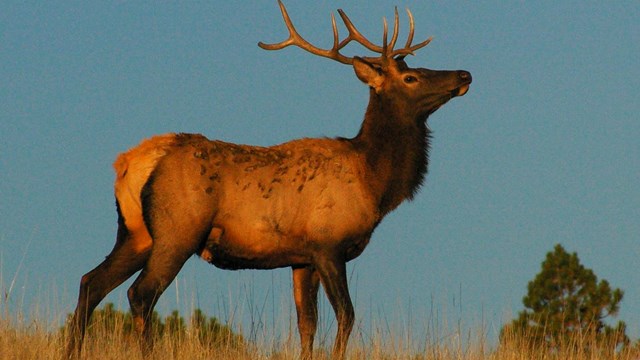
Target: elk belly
x=237, y=245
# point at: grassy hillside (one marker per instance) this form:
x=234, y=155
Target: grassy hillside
x=35, y=339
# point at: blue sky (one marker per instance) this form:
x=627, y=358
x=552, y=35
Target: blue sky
x=543, y=149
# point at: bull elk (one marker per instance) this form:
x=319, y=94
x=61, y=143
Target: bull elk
x=308, y=204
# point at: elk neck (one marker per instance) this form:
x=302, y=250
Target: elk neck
x=395, y=144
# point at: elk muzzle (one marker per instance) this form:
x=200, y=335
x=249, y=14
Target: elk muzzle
x=465, y=78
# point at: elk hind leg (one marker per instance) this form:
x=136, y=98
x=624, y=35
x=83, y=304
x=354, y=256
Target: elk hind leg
x=305, y=293
x=127, y=257
x=164, y=263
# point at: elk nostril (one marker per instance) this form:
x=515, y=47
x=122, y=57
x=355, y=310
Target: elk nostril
x=464, y=75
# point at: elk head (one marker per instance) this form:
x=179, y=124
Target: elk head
x=413, y=92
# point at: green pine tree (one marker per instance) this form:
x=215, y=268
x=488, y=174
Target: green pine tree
x=110, y=318
x=566, y=301
x=174, y=325
x=212, y=333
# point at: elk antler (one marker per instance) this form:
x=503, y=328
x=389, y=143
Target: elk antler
x=386, y=51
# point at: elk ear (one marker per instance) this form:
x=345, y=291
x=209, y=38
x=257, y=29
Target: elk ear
x=368, y=73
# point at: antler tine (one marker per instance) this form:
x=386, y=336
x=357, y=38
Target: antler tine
x=336, y=38
x=408, y=49
x=354, y=34
x=292, y=32
x=396, y=27
x=299, y=41
x=411, y=28
x=385, y=47
x=412, y=49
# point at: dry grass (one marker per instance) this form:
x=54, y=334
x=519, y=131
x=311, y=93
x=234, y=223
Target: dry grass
x=32, y=336
x=21, y=339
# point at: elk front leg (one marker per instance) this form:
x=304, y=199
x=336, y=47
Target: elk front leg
x=305, y=293
x=332, y=271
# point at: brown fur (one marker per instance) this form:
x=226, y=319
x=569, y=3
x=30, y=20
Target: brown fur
x=308, y=204
x=133, y=169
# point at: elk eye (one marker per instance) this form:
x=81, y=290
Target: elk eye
x=410, y=79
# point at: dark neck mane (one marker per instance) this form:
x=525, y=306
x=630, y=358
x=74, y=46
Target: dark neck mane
x=396, y=148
